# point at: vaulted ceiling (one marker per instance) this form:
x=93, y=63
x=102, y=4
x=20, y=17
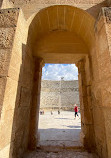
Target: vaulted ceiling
x=60, y=30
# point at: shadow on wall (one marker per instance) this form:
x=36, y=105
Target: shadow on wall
x=1, y=1
x=95, y=10
x=20, y=128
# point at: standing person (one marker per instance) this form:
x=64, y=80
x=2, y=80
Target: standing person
x=51, y=112
x=76, y=110
x=58, y=112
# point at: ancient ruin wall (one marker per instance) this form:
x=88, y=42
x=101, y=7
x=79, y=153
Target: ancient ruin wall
x=15, y=84
x=91, y=6
x=59, y=94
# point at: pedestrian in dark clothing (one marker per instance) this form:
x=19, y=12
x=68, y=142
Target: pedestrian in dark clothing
x=58, y=112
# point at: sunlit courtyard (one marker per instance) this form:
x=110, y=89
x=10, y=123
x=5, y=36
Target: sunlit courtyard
x=59, y=129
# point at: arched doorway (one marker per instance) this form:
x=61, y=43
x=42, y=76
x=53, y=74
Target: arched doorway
x=64, y=34
x=57, y=34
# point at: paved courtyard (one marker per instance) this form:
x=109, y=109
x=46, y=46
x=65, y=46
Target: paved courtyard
x=59, y=130
x=62, y=131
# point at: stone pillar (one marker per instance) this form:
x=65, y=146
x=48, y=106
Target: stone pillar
x=87, y=133
x=101, y=88
x=33, y=137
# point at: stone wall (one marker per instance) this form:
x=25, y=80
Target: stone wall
x=15, y=84
x=16, y=78
x=101, y=84
x=91, y=6
x=59, y=94
x=8, y=23
x=95, y=88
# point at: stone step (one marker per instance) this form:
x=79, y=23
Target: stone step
x=49, y=148
x=61, y=154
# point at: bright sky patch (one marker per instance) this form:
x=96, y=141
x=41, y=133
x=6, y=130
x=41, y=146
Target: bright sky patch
x=56, y=71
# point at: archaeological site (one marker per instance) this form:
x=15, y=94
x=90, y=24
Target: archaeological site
x=59, y=95
x=35, y=32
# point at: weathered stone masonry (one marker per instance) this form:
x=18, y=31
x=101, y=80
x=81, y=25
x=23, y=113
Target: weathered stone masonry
x=54, y=31
x=59, y=94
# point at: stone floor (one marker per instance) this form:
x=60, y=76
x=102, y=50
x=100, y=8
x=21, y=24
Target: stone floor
x=63, y=154
x=59, y=130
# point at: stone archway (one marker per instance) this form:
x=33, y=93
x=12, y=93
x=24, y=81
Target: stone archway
x=53, y=26
x=56, y=38
x=60, y=34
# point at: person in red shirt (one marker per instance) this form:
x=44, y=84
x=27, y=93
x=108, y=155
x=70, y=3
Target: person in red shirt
x=76, y=110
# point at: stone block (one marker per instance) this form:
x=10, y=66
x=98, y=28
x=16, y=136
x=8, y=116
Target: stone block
x=40, y=4
x=6, y=37
x=10, y=95
x=26, y=78
x=14, y=73
x=8, y=17
x=21, y=124
x=17, y=145
x=2, y=91
x=4, y=61
x=106, y=93
x=25, y=97
x=99, y=123
x=15, y=68
x=6, y=128
x=104, y=65
x=95, y=72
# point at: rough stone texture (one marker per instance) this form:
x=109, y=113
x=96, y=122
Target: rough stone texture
x=101, y=84
x=21, y=71
x=6, y=40
x=106, y=90
x=6, y=4
x=58, y=34
x=8, y=18
x=91, y=6
x=59, y=94
x=14, y=90
x=63, y=154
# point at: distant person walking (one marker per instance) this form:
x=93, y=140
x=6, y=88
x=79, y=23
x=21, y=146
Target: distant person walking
x=58, y=112
x=76, y=110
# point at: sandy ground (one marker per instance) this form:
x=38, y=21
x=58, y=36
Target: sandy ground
x=62, y=130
